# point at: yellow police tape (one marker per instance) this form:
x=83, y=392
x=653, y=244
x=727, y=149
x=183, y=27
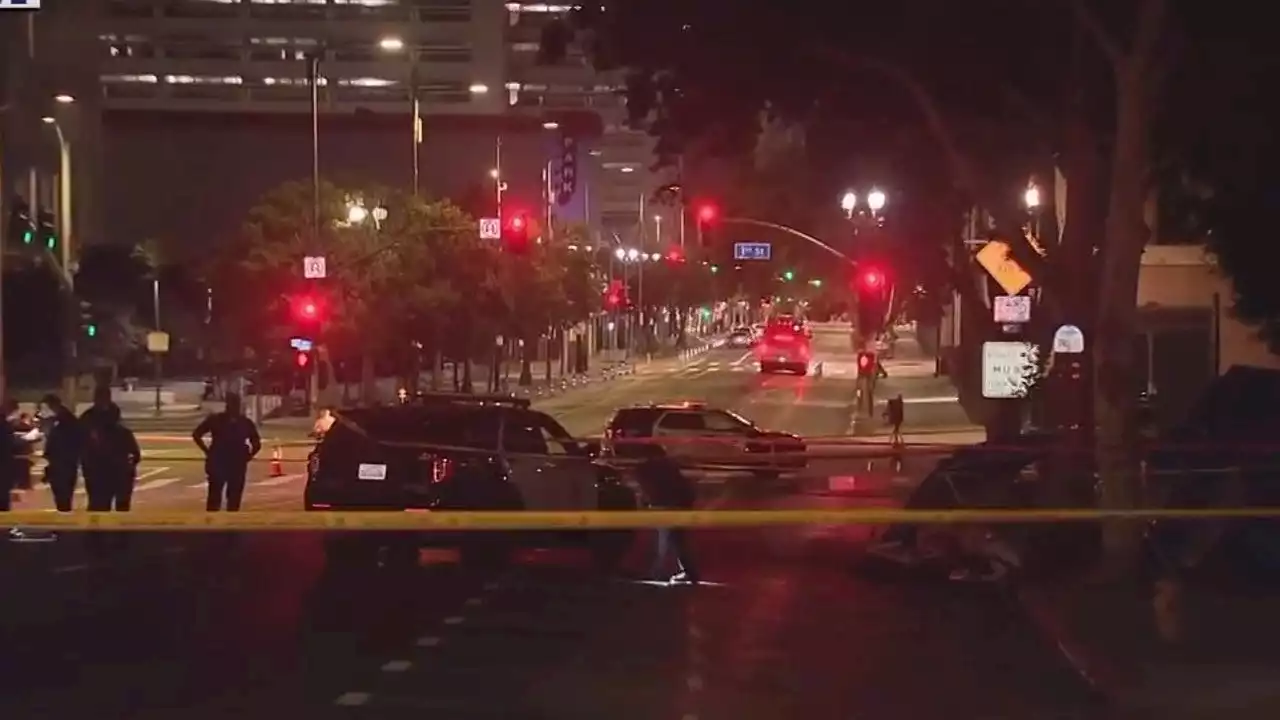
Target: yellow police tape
x=594, y=520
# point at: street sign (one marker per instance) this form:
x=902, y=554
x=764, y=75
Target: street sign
x=314, y=267
x=158, y=342
x=301, y=344
x=490, y=229
x=1068, y=339
x=1012, y=309
x=1008, y=368
x=994, y=257
x=752, y=251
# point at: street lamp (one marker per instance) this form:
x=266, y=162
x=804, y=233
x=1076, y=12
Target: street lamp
x=1031, y=197
x=356, y=213
x=63, y=99
x=849, y=202
x=478, y=89
x=876, y=200
x=551, y=125
x=391, y=44
x=395, y=45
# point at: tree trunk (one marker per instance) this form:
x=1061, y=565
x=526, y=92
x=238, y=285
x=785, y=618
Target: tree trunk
x=1116, y=360
x=368, y=378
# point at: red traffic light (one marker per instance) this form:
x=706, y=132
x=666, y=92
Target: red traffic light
x=675, y=255
x=873, y=279
x=518, y=222
x=307, y=308
x=515, y=235
x=302, y=359
x=707, y=213
x=866, y=363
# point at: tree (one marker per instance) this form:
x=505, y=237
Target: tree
x=112, y=280
x=1091, y=100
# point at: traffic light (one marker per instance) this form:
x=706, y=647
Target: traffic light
x=302, y=359
x=675, y=255
x=20, y=229
x=515, y=234
x=872, y=280
x=307, y=309
x=47, y=231
x=613, y=295
x=866, y=364
x=789, y=275
x=706, y=214
x=88, y=325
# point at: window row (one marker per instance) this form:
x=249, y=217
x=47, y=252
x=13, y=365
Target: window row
x=378, y=10
x=427, y=87
x=254, y=51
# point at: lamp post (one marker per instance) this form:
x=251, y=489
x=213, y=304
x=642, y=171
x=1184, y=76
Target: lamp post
x=65, y=220
x=313, y=82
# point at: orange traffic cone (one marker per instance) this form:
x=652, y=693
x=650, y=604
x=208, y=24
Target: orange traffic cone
x=277, y=467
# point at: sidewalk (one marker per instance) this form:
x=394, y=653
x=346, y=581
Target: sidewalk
x=1206, y=650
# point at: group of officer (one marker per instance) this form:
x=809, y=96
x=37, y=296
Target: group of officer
x=100, y=447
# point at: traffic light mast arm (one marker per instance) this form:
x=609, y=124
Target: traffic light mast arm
x=790, y=231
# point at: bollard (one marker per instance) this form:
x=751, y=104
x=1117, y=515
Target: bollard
x=277, y=464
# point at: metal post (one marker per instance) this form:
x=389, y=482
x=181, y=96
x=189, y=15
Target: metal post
x=3, y=385
x=497, y=166
x=155, y=302
x=416, y=108
x=313, y=79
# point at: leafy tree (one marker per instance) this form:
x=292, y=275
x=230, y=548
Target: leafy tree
x=1086, y=98
x=112, y=279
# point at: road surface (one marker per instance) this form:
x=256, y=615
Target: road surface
x=790, y=624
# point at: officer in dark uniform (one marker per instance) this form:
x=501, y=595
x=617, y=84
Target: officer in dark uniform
x=666, y=487
x=101, y=408
x=62, y=445
x=10, y=455
x=234, y=441
x=110, y=460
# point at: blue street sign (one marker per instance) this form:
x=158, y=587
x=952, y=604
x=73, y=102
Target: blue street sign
x=752, y=251
x=301, y=344
x=19, y=4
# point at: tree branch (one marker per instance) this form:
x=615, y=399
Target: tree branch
x=1092, y=24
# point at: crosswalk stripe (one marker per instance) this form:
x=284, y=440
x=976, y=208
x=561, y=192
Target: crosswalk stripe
x=282, y=480
x=156, y=484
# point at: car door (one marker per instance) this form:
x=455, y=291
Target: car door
x=727, y=438
x=680, y=433
x=547, y=466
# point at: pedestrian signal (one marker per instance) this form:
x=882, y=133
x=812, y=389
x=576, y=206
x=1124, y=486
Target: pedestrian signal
x=302, y=359
x=866, y=364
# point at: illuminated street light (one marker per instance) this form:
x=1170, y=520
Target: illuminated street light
x=391, y=44
x=48, y=120
x=849, y=202
x=550, y=125
x=633, y=255
x=63, y=99
x=620, y=253
x=356, y=214
x=1032, y=197
x=494, y=173
x=627, y=169
x=876, y=200
x=478, y=89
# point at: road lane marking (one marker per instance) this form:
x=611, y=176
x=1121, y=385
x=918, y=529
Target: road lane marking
x=156, y=484
x=282, y=480
x=397, y=666
x=453, y=620
x=353, y=699
x=428, y=641
x=149, y=473
x=80, y=567
x=473, y=602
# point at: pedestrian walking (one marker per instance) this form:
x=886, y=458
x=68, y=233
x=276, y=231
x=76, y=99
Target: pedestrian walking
x=110, y=460
x=666, y=487
x=233, y=442
x=62, y=446
x=895, y=414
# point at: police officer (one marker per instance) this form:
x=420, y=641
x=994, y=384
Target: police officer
x=666, y=487
x=895, y=413
x=61, y=452
x=234, y=441
x=110, y=458
x=10, y=454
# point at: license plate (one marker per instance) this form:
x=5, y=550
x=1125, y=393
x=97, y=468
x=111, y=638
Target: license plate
x=369, y=471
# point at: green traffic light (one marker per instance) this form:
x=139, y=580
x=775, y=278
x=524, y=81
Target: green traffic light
x=788, y=276
x=91, y=331
x=28, y=236
x=51, y=242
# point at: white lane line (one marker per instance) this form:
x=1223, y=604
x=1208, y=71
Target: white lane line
x=475, y=601
x=428, y=641
x=141, y=476
x=150, y=473
x=453, y=620
x=353, y=699
x=282, y=480
x=397, y=666
x=80, y=567
x=156, y=484
x=747, y=357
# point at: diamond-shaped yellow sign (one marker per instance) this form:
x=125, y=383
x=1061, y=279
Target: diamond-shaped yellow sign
x=996, y=259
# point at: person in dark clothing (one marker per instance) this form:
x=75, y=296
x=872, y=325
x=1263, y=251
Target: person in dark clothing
x=895, y=413
x=234, y=441
x=110, y=458
x=666, y=487
x=10, y=454
x=101, y=408
x=61, y=453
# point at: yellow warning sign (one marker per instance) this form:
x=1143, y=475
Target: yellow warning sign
x=996, y=259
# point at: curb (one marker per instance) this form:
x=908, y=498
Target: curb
x=577, y=380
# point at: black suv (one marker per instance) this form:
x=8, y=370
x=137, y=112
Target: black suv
x=462, y=452
x=703, y=437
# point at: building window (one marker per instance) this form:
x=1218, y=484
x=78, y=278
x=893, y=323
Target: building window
x=202, y=51
x=200, y=9
x=443, y=10
x=284, y=10
x=131, y=9
x=445, y=53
